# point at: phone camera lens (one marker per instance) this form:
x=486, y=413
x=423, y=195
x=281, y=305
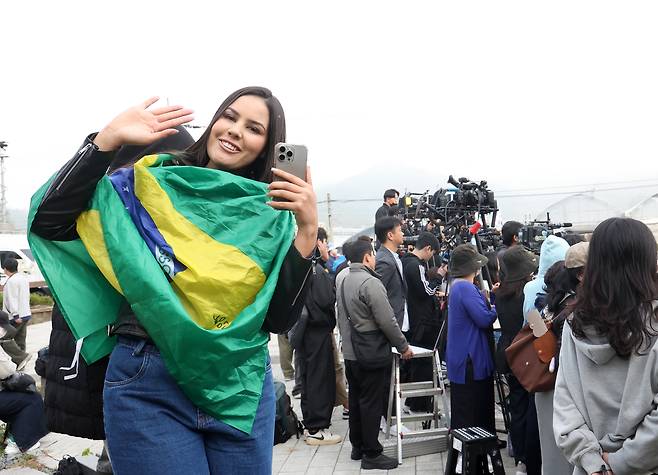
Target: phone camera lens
x=282, y=157
x=289, y=153
x=282, y=149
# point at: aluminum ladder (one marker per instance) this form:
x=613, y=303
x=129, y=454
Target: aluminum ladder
x=425, y=441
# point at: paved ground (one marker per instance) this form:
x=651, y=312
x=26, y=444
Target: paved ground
x=293, y=457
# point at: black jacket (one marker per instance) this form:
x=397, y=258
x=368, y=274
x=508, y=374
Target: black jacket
x=510, y=316
x=321, y=299
x=69, y=195
x=74, y=406
x=393, y=280
x=424, y=313
x=384, y=210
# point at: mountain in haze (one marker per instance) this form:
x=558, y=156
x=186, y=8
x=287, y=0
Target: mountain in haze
x=355, y=199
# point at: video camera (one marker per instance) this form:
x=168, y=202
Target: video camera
x=534, y=233
x=453, y=215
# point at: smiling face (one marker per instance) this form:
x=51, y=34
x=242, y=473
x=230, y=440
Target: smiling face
x=238, y=137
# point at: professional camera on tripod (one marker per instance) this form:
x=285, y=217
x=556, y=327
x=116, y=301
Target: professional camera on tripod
x=454, y=215
x=535, y=232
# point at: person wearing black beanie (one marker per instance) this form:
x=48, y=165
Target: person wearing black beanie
x=520, y=265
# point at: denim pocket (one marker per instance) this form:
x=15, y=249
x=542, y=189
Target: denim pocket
x=125, y=366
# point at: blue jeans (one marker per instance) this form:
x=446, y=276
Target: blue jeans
x=152, y=427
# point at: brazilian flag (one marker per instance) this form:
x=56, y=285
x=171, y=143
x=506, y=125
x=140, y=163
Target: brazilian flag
x=196, y=253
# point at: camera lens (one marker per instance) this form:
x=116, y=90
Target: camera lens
x=289, y=153
x=282, y=157
x=282, y=149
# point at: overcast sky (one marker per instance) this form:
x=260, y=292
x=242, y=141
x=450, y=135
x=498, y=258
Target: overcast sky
x=520, y=93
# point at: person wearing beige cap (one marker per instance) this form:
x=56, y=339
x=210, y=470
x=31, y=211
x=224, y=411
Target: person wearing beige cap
x=576, y=257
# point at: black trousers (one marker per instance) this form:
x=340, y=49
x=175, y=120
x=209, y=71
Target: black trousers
x=366, y=405
x=318, y=378
x=25, y=413
x=421, y=370
x=524, y=431
x=472, y=404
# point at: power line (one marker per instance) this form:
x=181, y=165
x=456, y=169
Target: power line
x=515, y=193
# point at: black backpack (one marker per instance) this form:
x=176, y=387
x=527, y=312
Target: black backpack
x=42, y=360
x=286, y=423
x=68, y=466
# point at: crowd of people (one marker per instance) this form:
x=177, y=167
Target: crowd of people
x=188, y=382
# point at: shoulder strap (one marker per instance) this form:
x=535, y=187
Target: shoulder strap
x=342, y=298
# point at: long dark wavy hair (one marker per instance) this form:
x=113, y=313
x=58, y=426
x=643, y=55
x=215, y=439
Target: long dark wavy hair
x=261, y=168
x=559, y=282
x=618, y=286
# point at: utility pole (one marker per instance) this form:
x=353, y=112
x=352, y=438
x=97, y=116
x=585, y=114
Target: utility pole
x=4, y=224
x=330, y=231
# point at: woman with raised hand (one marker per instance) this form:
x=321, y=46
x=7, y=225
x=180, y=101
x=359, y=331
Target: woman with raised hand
x=605, y=415
x=189, y=262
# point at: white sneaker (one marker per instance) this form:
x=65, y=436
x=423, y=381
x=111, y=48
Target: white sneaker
x=321, y=437
x=394, y=427
x=521, y=469
x=12, y=448
x=403, y=429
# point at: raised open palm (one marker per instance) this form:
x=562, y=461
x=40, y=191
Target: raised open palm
x=140, y=126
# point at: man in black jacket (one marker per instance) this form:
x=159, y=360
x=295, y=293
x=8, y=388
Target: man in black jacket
x=424, y=313
x=316, y=355
x=390, y=203
x=510, y=237
x=388, y=208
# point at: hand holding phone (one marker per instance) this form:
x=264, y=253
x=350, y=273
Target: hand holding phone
x=292, y=159
x=293, y=191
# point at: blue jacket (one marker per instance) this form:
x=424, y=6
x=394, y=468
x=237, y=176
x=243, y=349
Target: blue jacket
x=552, y=250
x=469, y=333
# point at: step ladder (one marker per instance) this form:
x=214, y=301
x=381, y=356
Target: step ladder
x=418, y=442
x=474, y=451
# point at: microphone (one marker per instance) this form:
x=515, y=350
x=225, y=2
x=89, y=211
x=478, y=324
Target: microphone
x=475, y=228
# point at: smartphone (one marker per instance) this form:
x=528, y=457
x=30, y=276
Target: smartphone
x=290, y=158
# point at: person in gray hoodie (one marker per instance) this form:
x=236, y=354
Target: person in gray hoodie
x=361, y=295
x=605, y=415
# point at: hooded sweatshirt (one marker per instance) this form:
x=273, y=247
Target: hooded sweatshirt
x=552, y=250
x=605, y=403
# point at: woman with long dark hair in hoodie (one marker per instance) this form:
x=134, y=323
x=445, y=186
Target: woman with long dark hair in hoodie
x=606, y=396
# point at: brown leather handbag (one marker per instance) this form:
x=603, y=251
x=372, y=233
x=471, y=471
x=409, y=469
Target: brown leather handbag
x=529, y=358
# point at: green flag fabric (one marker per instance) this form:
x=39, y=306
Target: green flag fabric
x=196, y=253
